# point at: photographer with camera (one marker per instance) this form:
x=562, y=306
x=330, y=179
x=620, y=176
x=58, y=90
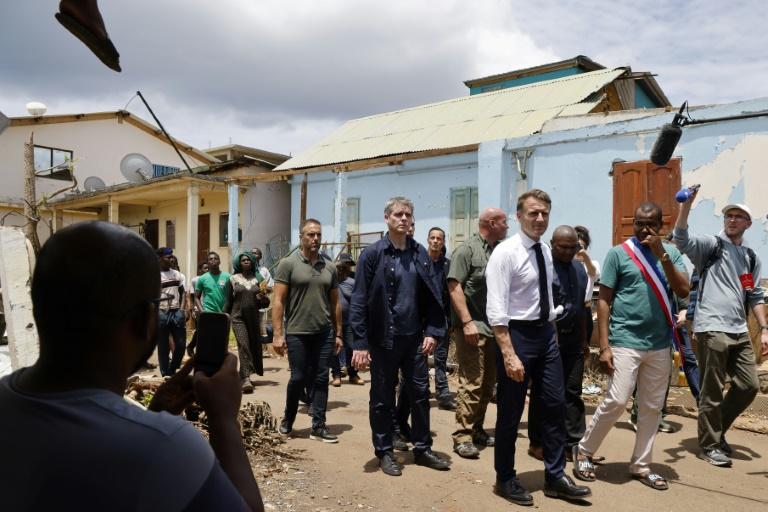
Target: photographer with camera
x=69, y=439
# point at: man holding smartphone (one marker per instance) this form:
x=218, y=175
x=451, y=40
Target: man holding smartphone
x=306, y=294
x=69, y=405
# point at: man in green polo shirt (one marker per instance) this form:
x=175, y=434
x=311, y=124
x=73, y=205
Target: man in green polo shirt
x=473, y=335
x=212, y=286
x=306, y=293
x=635, y=335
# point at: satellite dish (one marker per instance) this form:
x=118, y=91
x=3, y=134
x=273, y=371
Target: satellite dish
x=94, y=184
x=35, y=108
x=136, y=168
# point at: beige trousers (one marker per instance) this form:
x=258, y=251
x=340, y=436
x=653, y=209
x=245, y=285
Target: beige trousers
x=650, y=370
x=477, y=375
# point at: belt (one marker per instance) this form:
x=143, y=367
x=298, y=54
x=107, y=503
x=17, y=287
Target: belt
x=566, y=331
x=528, y=323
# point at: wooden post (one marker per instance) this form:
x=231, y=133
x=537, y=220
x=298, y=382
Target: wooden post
x=303, y=215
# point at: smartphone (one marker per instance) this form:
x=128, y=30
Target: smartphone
x=212, y=341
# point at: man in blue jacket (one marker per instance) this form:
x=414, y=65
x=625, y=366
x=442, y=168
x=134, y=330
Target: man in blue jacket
x=396, y=314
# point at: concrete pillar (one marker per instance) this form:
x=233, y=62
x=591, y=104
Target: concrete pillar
x=494, y=168
x=16, y=263
x=113, y=211
x=193, y=209
x=57, y=219
x=340, y=211
x=233, y=196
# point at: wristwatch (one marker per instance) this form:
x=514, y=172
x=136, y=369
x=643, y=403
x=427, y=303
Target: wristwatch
x=763, y=327
x=664, y=257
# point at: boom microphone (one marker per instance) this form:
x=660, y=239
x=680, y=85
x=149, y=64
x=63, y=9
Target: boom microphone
x=686, y=193
x=667, y=140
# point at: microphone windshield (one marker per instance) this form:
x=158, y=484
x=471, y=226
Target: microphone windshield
x=665, y=144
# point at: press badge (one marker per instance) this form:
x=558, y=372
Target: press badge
x=747, y=282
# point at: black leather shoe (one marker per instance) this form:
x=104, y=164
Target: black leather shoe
x=566, y=488
x=389, y=465
x=511, y=490
x=430, y=460
x=446, y=403
x=398, y=443
x=286, y=426
x=481, y=438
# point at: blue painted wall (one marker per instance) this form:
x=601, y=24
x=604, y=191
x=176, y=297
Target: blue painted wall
x=642, y=100
x=526, y=80
x=727, y=158
x=427, y=182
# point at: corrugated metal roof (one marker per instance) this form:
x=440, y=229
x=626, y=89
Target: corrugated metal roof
x=508, y=113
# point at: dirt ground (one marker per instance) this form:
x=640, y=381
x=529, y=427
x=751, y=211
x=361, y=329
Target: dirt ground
x=342, y=477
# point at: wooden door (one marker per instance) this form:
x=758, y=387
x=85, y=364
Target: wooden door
x=152, y=232
x=203, y=236
x=638, y=182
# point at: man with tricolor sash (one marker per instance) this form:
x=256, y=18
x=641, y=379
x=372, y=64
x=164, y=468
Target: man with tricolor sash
x=636, y=323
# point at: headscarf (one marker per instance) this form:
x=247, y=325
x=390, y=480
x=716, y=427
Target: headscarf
x=239, y=268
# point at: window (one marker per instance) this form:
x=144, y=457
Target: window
x=170, y=233
x=48, y=157
x=353, y=215
x=223, y=230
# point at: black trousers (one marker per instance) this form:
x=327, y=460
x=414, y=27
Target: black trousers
x=406, y=356
x=537, y=350
x=573, y=373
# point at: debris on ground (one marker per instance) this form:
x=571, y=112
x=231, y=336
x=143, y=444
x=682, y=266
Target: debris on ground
x=258, y=427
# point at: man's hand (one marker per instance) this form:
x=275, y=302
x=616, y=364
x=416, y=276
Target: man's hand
x=471, y=336
x=653, y=242
x=175, y=394
x=360, y=359
x=278, y=343
x=606, y=361
x=428, y=346
x=585, y=350
x=680, y=319
x=764, y=340
x=338, y=344
x=514, y=367
x=220, y=395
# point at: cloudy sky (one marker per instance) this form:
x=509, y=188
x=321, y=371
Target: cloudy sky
x=279, y=75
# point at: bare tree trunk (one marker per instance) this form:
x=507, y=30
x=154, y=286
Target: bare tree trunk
x=30, y=204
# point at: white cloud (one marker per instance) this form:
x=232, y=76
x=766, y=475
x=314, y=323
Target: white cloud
x=280, y=75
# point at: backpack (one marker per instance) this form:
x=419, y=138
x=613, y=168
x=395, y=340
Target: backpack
x=713, y=257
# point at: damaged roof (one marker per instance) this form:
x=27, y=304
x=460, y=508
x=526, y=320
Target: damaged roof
x=465, y=121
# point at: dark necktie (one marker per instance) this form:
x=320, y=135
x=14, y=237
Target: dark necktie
x=543, y=292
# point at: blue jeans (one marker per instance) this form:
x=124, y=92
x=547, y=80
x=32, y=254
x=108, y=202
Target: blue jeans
x=344, y=355
x=441, y=367
x=690, y=366
x=171, y=322
x=307, y=351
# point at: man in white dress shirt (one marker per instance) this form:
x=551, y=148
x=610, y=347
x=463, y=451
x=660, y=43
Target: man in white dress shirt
x=521, y=312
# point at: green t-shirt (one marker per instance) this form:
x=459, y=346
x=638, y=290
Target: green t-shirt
x=214, y=290
x=468, y=264
x=637, y=319
x=307, y=308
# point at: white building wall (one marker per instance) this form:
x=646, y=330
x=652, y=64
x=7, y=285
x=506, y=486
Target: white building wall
x=98, y=148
